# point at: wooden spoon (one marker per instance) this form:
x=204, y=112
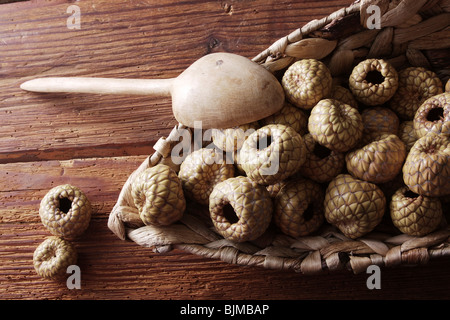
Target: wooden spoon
x=222, y=90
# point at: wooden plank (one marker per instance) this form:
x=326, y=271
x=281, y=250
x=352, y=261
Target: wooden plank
x=116, y=269
x=22, y=185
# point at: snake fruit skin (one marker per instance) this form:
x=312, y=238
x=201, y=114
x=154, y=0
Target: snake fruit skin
x=354, y=206
x=306, y=82
x=343, y=95
x=373, y=82
x=65, y=211
x=201, y=171
x=289, y=116
x=272, y=154
x=415, y=85
x=433, y=116
x=426, y=170
x=52, y=257
x=321, y=164
x=379, y=161
x=335, y=125
x=299, y=207
x=414, y=214
x=241, y=210
x=377, y=120
x=158, y=196
x=275, y=188
x=407, y=134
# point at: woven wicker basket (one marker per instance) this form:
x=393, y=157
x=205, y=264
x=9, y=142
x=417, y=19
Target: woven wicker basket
x=412, y=33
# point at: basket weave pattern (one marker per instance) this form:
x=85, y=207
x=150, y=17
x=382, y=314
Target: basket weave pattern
x=412, y=33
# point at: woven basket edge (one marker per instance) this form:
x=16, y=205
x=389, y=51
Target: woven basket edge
x=314, y=262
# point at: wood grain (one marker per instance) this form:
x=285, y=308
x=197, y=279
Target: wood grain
x=95, y=142
x=116, y=269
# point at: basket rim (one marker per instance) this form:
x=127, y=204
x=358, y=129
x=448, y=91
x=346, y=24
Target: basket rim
x=327, y=250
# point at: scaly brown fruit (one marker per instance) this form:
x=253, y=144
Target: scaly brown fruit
x=414, y=214
x=52, y=257
x=379, y=161
x=201, y=170
x=272, y=154
x=158, y=196
x=65, y=211
x=322, y=164
x=373, y=81
x=377, y=120
x=426, y=170
x=289, y=116
x=335, y=125
x=299, y=207
x=407, y=134
x=241, y=210
x=344, y=95
x=306, y=82
x=433, y=116
x=354, y=206
x=415, y=85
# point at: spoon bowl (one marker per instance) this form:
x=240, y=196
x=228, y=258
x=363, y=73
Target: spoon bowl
x=220, y=90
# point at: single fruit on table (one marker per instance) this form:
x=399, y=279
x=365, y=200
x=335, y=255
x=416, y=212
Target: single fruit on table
x=377, y=120
x=231, y=139
x=306, y=82
x=407, y=134
x=414, y=214
x=299, y=207
x=354, y=206
x=335, y=125
x=415, y=85
x=321, y=164
x=52, y=257
x=426, y=170
x=379, y=161
x=289, y=116
x=65, y=211
x=201, y=171
x=272, y=154
x=373, y=81
x=158, y=196
x=344, y=95
x=433, y=116
x=240, y=209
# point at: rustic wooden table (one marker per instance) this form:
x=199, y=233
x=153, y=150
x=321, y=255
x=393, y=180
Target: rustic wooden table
x=95, y=142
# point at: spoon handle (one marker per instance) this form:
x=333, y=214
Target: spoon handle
x=154, y=87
